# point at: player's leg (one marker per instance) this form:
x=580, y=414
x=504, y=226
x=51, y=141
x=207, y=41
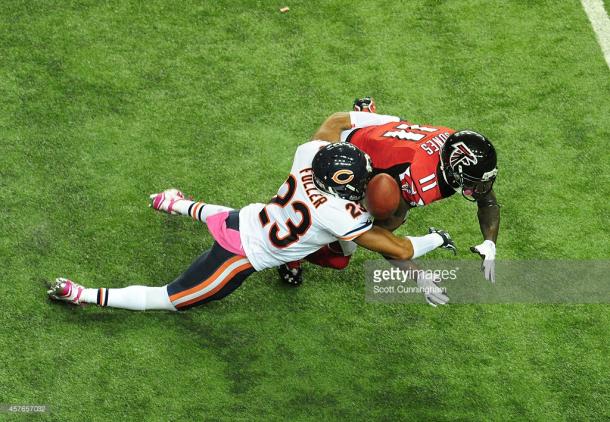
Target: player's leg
x=217, y=273
x=200, y=211
x=214, y=275
x=136, y=298
x=172, y=201
x=335, y=255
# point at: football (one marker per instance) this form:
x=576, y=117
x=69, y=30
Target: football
x=382, y=196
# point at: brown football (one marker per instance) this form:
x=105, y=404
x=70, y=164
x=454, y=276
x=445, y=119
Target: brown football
x=382, y=196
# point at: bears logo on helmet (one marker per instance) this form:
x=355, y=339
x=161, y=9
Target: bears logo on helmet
x=343, y=177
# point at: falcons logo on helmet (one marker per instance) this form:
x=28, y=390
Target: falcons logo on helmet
x=461, y=154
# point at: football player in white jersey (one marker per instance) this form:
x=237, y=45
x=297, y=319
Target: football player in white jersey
x=317, y=205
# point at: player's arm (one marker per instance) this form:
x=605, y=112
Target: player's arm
x=383, y=241
x=401, y=250
x=489, y=221
x=398, y=248
x=489, y=216
x=331, y=129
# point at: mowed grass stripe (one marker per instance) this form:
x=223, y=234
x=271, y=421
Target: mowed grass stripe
x=600, y=23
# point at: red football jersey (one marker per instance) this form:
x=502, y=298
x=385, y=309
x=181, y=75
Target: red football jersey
x=411, y=154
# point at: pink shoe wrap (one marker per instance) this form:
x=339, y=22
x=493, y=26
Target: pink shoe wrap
x=227, y=238
x=158, y=200
x=67, y=290
x=80, y=292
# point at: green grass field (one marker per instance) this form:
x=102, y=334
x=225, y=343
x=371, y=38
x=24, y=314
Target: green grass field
x=102, y=103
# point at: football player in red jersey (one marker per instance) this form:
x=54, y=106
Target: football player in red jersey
x=429, y=163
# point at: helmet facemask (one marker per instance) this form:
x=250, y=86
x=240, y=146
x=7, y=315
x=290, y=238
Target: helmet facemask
x=349, y=192
x=472, y=188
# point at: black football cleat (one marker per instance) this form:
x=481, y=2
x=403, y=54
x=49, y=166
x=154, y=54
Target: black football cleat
x=291, y=273
x=448, y=243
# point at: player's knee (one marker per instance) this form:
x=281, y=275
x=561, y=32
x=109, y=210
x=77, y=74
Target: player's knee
x=328, y=259
x=339, y=262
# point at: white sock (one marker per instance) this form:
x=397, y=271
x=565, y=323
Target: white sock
x=424, y=244
x=89, y=296
x=135, y=298
x=198, y=210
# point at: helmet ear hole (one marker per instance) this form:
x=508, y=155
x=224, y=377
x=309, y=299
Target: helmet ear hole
x=342, y=170
x=450, y=177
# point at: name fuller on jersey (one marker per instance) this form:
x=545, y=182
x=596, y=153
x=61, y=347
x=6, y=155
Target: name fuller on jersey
x=312, y=192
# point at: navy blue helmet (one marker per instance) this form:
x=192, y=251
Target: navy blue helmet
x=342, y=170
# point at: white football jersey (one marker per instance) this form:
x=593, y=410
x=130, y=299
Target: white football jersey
x=300, y=219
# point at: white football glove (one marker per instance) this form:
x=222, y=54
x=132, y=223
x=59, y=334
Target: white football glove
x=487, y=251
x=164, y=201
x=434, y=295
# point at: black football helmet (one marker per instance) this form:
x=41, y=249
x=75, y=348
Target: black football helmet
x=342, y=170
x=469, y=163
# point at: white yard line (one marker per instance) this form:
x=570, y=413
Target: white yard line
x=601, y=24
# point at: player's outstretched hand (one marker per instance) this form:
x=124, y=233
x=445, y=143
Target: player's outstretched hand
x=487, y=251
x=164, y=201
x=432, y=292
x=366, y=104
